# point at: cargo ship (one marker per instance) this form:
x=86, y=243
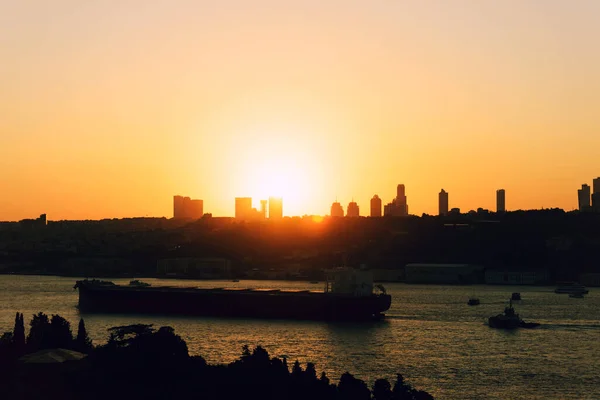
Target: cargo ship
x=348, y=294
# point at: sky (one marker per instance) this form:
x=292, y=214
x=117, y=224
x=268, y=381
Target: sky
x=109, y=108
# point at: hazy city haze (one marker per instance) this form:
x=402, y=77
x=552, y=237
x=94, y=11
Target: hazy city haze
x=108, y=109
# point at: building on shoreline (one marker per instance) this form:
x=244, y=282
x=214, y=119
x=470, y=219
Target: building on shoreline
x=353, y=210
x=500, y=201
x=508, y=276
x=399, y=206
x=337, y=210
x=194, y=267
x=443, y=203
x=458, y=274
x=583, y=197
x=187, y=208
x=275, y=208
x=376, y=206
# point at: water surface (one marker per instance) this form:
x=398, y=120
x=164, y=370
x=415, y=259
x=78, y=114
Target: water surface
x=431, y=336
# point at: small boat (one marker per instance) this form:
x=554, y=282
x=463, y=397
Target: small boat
x=571, y=288
x=137, y=283
x=515, y=296
x=473, y=301
x=576, y=295
x=235, y=280
x=509, y=320
x=314, y=282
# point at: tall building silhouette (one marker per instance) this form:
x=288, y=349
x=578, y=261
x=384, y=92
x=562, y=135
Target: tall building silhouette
x=187, y=208
x=596, y=195
x=352, y=210
x=399, y=206
x=401, y=200
x=178, y=211
x=263, y=209
x=500, y=201
x=195, y=209
x=375, y=206
x=243, y=208
x=275, y=208
x=583, y=197
x=443, y=202
x=337, y=210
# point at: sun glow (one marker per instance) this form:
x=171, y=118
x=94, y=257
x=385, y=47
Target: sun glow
x=278, y=162
x=280, y=177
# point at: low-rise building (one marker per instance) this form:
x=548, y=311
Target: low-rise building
x=503, y=276
x=443, y=273
x=194, y=267
x=388, y=275
x=591, y=279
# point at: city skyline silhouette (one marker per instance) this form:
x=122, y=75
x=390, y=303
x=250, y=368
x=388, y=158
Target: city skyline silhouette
x=109, y=111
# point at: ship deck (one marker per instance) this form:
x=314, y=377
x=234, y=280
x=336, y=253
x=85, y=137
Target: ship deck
x=191, y=290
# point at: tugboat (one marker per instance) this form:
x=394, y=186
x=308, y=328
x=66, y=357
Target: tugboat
x=473, y=301
x=509, y=320
x=515, y=296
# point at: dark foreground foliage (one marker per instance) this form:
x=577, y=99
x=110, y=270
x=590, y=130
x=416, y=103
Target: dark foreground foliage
x=140, y=362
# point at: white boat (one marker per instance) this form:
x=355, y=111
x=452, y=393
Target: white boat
x=571, y=288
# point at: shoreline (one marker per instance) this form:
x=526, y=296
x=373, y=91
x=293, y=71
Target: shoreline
x=128, y=276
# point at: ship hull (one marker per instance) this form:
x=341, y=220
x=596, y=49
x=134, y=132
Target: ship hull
x=231, y=303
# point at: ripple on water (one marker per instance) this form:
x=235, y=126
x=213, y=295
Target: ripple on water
x=430, y=336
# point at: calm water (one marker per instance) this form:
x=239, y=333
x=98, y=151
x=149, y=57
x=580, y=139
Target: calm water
x=430, y=336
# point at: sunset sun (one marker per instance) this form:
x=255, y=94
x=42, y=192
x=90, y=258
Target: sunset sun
x=280, y=177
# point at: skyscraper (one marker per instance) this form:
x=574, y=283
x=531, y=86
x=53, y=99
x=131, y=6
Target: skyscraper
x=398, y=207
x=195, y=209
x=243, y=208
x=337, y=210
x=178, y=211
x=500, y=201
x=401, y=200
x=352, y=210
x=443, y=202
x=263, y=209
x=596, y=195
x=275, y=208
x=186, y=208
x=583, y=197
x=375, y=206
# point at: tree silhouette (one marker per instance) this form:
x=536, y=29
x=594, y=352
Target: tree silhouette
x=351, y=388
x=382, y=390
x=123, y=336
x=60, y=333
x=297, y=369
x=402, y=390
x=310, y=372
x=18, y=337
x=6, y=345
x=82, y=343
x=285, y=364
x=324, y=379
x=39, y=333
x=141, y=362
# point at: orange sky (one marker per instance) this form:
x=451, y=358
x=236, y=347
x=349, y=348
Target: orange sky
x=108, y=108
